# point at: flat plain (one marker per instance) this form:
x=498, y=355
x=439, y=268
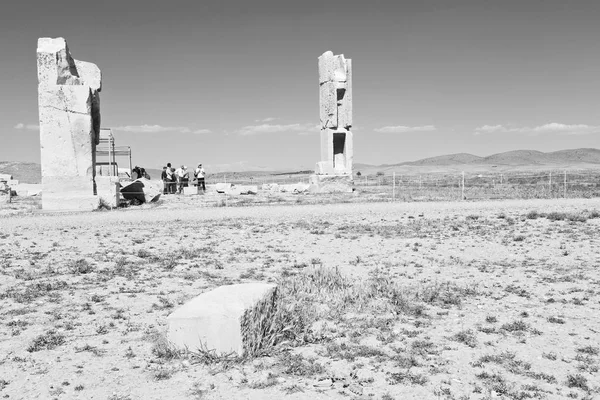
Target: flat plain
x=436, y=300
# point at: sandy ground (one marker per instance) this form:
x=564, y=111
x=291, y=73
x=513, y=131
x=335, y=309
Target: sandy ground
x=84, y=296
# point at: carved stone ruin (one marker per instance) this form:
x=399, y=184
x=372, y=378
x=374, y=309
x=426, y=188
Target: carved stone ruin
x=334, y=171
x=69, y=111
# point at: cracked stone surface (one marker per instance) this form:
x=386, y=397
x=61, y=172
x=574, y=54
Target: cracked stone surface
x=69, y=112
x=335, y=101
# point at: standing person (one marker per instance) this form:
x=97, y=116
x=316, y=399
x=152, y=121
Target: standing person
x=179, y=172
x=173, y=183
x=170, y=178
x=163, y=177
x=199, y=174
x=186, y=176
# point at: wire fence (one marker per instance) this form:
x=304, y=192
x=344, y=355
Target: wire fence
x=474, y=186
x=456, y=186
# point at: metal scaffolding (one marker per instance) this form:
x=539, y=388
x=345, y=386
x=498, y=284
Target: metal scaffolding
x=107, y=148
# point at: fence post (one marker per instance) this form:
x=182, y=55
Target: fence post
x=463, y=186
x=565, y=188
x=393, y=186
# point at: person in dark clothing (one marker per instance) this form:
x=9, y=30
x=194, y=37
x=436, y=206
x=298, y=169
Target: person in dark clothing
x=163, y=177
x=136, y=173
x=171, y=180
x=199, y=174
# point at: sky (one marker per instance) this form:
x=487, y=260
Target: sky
x=235, y=83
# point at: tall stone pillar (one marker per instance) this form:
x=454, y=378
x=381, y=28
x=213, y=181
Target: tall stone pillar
x=69, y=111
x=334, y=172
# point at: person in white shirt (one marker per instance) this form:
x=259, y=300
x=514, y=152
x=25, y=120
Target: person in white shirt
x=199, y=174
x=180, y=173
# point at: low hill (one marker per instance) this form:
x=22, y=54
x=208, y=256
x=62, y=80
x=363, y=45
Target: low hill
x=515, y=157
x=450, y=159
x=23, y=172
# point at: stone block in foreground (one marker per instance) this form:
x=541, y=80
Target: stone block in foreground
x=228, y=319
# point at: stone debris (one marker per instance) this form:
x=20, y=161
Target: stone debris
x=5, y=192
x=241, y=189
x=286, y=188
x=222, y=187
x=295, y=188
x=228, y=319
x=271, y=187
x=236, y=190
x=190, y=190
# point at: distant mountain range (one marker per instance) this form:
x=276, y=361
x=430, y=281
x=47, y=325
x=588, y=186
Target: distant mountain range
x=508, y=158
x=31, y=172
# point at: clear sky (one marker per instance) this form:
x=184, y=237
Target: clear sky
x=228, y=82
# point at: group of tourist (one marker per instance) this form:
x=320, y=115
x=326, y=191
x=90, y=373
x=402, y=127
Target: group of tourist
x=174, y=180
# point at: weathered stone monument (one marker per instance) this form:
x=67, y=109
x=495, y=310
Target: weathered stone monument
x=334, y=172
x=69, y=111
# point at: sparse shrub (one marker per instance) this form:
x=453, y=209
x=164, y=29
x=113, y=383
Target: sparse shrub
x=80, y=266
x=589, y=349
x=577, y=381
x=533, y=214
x=96, y=298
x=515, y=326
x=170, y=262
x=556, y=320
x=298, y=365
x=413, y=378
x=103, y=205
x=163, y=349
x=562, y=216
x=550, y=356
x=102, y=329
x=143, y=253
x=48, y=341
x=556, y=216
x=466, y=337
x=163, y=373
x=491, y=319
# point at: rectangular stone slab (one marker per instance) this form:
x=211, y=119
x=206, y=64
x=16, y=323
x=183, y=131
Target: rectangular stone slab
x=213, y=320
